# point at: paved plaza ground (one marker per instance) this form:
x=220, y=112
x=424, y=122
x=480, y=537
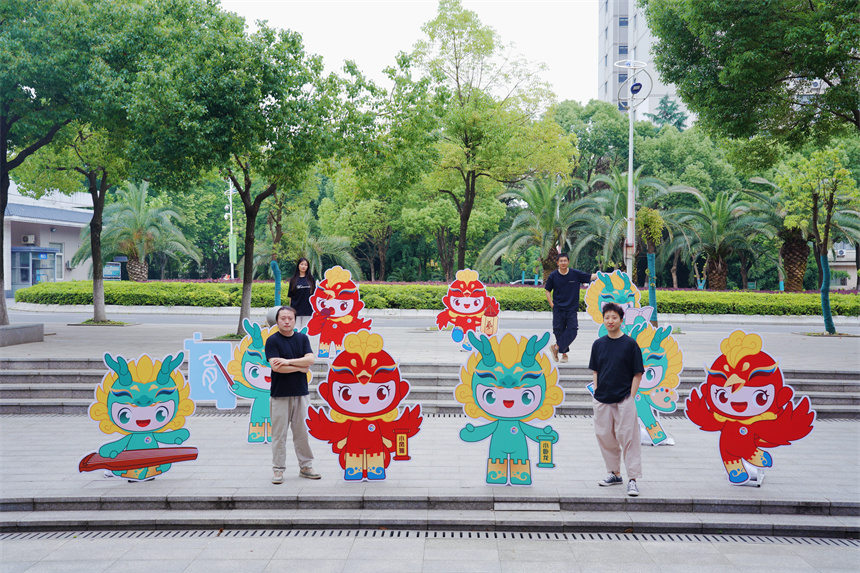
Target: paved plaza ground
x=387, y=526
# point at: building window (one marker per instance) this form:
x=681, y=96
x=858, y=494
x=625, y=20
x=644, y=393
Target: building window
x=622, y=78
x=605, y=88
x=606, y=6
x=622, y=50
x=622, y=105
x=634, y=20
x=606, y=60
x=606, y=33
x=622, y=21
x=58, y=260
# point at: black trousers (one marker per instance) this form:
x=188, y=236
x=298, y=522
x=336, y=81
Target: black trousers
x=565, y=327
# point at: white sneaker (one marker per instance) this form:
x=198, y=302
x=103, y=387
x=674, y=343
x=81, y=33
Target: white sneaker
x=278, y=477
x=632, y=490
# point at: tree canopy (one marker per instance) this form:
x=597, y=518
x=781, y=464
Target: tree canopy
x=785, y=69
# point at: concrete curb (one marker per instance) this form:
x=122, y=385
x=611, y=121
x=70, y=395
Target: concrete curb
x=665, y=318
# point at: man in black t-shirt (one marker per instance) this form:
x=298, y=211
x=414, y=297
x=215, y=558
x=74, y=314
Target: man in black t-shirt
x=290, y=355
x=616, y=363
x=564, y=302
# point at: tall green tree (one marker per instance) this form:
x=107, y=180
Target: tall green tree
x=787, y=69
x=82, y=61
x=601, y=132
x=721, y=228
x=491, y=128
x=546, y=220
x=137, y=229
x=816, y=189
x=257, y=108
x=669, y=112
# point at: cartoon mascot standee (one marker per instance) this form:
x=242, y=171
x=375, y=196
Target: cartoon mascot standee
x=148, y=402
x=336, y=305
x=510, y=382
x=363, y=391
x=468, y=308
x=744, y=398
x=250, y=376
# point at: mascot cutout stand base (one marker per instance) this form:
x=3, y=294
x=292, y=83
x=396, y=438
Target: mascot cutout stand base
x=147, y=402
x=745, y=399
x=363, y=423
x=509, y=382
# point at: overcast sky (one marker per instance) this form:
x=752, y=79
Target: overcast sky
x=561, y=34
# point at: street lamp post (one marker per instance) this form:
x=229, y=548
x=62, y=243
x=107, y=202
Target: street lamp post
x=631, y=87
x=231, y=239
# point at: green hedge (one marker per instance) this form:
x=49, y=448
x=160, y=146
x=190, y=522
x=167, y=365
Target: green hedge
x=429, y=297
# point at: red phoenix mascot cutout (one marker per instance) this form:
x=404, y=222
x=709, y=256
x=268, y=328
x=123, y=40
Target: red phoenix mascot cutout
x=744, y=398
x=363, y=390
x=336, y=306
x=466, y=304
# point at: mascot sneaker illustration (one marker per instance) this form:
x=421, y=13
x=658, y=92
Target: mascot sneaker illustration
x=509, y=383
x=363, y=391
x=744, y=398
x=616, y=287
x=468, y=308
x=336, y=305
x=147, y=401
x=250, y=377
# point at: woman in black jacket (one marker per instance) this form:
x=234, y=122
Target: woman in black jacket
x=302, y=285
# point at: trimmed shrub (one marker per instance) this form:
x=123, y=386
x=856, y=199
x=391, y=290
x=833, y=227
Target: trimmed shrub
x=429, y=296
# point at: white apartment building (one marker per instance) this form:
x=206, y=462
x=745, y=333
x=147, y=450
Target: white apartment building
x=623, y=35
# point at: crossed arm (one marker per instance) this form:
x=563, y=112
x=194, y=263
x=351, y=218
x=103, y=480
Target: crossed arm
x=287, y=365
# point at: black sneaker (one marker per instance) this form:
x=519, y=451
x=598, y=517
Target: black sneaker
x=611, y=479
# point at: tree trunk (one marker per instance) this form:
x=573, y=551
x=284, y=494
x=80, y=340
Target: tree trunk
x=718, y=274
x=550, y=263
x=465, y=210
x=675, y=268
x=138, y=270
x=794, y=252
x=445, y=247
x=825, y=296
x=857, y=264
x=97, y=192
x=4, y=199
x=744, y=271
x=248, y=268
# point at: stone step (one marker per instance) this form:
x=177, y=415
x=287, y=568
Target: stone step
x=561, y=521
x=369, y=497
x=573, y=393
x=571, y=407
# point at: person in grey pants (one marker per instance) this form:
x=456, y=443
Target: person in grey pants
x=290, y=356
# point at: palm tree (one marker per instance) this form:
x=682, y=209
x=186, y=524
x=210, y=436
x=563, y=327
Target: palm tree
x=317, y=248
x=135, y=229
x=545, y=222
x=608, y=227
x=721, y=228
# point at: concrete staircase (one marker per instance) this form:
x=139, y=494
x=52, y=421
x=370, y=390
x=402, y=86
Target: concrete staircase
x=57, y=386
